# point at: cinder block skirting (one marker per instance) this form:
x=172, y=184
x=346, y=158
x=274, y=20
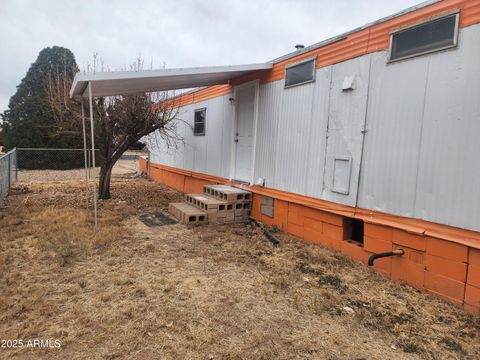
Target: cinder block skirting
x=447, y=267
x=443, y=268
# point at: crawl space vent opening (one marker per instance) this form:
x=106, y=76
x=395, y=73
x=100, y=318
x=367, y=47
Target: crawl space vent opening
x=354, y=230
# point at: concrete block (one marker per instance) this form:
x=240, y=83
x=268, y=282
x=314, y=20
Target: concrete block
x=451, y=290
x=295, y=214
x=217, y=218
x=187, y=214
x=447, y=249
x=239, y=209
x=472, y=296
x=230, y=217
x=354, y=251
x=376, y=245
x=408, y=271
x=323, y=216
x=474, y=257
x=451, y=269
x=227, y=193
x=473, y=275
x=296, y=230
x=405, y=238
x=412, y=255
x=333, y=231
x=208, y=203
x=384, y=233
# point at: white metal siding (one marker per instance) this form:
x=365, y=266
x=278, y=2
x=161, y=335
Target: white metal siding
x=292, y=138
x=394, y=122
x=448, y=185
x=347, y=111
x=316, y=133
x=215, y=124
x=270, y=99
x=206, y=154
x=420, y=154
x=227, y=137
x=421, y=149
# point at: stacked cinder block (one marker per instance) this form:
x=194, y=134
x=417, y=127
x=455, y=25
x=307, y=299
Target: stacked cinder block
x=218, y=211
x=186, y=213
x=218, y=204
x=239, y=199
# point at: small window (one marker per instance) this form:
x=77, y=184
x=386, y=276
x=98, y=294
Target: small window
x=199, y=122
x=300, y=73
x=424, y=38
x=266, y=206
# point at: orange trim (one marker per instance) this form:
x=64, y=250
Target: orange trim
x=365, y=41
x=415, y=226
x=197, y=175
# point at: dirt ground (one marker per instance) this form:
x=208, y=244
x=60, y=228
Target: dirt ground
x=209, y=292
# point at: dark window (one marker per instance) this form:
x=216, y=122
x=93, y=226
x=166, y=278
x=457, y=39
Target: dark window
x=431, y=36
x=300, y=73
x=199, y=122
x=266, y=206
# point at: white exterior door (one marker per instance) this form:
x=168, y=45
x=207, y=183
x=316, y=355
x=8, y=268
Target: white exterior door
x=244, y=136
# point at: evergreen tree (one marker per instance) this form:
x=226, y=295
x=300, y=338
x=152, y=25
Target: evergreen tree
x=29, y=120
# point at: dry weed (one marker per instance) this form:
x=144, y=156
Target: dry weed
x=215, y=292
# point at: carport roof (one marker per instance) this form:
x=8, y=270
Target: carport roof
x=130, y=82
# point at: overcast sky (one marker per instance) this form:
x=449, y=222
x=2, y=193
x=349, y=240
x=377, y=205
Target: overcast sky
x=178, y=33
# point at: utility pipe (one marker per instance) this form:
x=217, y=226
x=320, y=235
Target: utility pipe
x=267, y=233
x=372, y=258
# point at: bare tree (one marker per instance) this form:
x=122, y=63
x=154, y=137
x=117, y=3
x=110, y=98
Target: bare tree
x=119, y=121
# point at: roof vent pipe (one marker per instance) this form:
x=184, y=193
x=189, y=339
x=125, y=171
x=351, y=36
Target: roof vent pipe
x=299, y=46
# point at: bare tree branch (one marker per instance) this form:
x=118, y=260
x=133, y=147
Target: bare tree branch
x=120, y=121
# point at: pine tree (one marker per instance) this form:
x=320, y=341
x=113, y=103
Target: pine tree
x=28, y=122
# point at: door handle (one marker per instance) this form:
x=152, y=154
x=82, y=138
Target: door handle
x=236, y=140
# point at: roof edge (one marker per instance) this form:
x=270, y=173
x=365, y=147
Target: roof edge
x=345, y=34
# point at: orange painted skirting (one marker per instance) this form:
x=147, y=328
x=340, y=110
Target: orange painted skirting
x=442, y=260
x=365, y=41
x=414, y=226
x=142, y=164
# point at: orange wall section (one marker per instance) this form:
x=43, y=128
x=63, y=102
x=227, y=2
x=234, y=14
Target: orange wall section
x=445, y=268
x=142, y=164
x=416, y=229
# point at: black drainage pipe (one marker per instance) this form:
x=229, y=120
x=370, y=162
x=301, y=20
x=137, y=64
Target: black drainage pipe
x=374, y=257
x=267, y=233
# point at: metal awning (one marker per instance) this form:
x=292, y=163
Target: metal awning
x=130, y=82
x=91, y=85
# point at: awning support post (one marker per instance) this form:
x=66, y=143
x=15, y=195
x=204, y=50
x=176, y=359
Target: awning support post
x=93, y=154
x=86, y=159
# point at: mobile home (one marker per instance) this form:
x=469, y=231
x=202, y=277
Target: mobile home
x=367, y=142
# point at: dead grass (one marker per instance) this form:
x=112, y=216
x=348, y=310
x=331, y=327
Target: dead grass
x=214, y=292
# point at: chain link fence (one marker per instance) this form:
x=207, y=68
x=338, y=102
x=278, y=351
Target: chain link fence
x=8, y=172
x=52, y=159
x=44, y=164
